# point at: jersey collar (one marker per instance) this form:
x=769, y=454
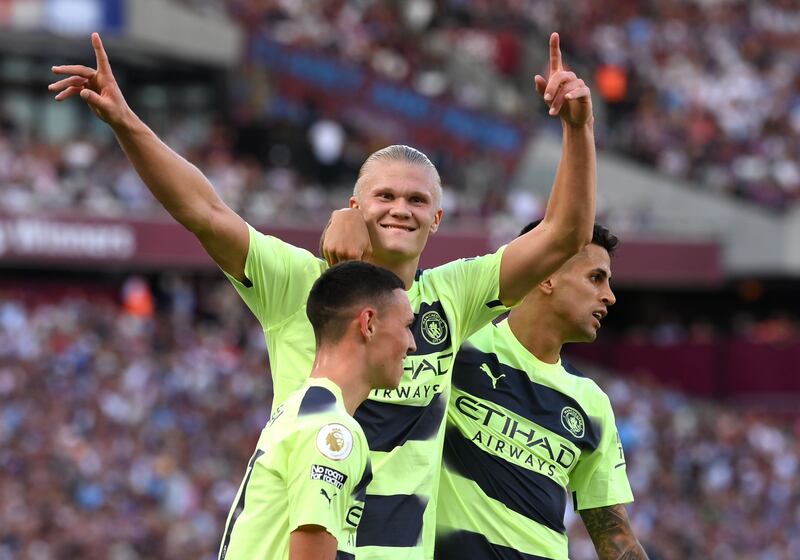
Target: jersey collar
x=518, y=348
x=327, y=384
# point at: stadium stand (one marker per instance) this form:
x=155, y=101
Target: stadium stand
x=694, y=128
x=91, y=176
x=124, y=429
x=716, y=108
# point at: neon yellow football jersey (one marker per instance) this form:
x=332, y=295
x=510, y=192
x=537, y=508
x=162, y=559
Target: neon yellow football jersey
x=404, y=426
x=521, y=434
x=310, y=467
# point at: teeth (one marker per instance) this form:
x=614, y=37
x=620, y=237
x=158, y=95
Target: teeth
x=398, y=227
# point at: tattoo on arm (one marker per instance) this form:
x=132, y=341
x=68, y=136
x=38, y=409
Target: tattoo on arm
x=612, y=534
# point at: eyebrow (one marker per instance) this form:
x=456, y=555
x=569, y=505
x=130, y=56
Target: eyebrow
x=602, y=272
x=392, y=187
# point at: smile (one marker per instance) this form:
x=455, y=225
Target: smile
x=402, y=228
x=599, y=314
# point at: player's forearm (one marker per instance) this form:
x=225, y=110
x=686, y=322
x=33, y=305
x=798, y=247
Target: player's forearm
x=620, y=550
x=571, y=207
x=611, y=533
x=177, y=184
x=566, y=227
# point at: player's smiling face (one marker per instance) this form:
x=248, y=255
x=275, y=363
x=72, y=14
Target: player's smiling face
x=392, y=342
x=400, y=206
x=582, y=293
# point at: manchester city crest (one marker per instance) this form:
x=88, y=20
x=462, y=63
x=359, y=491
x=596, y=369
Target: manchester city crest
x=572, y=420
x=434, y=329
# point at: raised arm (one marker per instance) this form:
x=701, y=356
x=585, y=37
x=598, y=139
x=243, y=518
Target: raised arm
x=611, y=533
x=569, y=218
x=177, y=184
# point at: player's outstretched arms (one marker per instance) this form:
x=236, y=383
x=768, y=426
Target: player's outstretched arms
x=345, y=237
x=177, y=184
x=567, y=224
x=612, y=534
x=311, y=542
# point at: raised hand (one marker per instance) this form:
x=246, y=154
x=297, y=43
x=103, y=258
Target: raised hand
x=566, y=94
x=97, y=87
x=346, y=238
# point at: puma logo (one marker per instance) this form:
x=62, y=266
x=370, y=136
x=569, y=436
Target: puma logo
x=325, y=494
x=485, y=369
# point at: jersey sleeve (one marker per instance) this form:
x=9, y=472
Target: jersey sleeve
x=600, y=478
x=472, y=286
x=278, y=278
x=324, y=489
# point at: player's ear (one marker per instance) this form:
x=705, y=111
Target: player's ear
x=546, y=287
x=354, y=202
x=366, y=323
x=437, y=219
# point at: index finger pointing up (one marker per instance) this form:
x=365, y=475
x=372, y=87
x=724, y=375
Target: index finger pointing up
x=100, y=54
x=555, y=54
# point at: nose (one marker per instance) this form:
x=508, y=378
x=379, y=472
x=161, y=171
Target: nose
x=609, y=298
x=400, y=209
x=412, y=345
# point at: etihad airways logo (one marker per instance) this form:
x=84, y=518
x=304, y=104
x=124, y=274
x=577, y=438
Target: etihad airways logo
x=437, y=365
x=406, y=391
x=426, y=371
x=526, y=437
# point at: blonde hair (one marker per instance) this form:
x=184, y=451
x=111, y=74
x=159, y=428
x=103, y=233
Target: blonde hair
x=400, y=153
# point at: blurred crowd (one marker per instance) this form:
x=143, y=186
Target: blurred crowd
x=127, y=420
x=470, y=51
x=704, y=90
x=91, y=175
x=281, y=173
x=124, y=434
x=669, y=329
x=709, y=482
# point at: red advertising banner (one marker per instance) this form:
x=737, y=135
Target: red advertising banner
x=40, y=241
x=730, y=368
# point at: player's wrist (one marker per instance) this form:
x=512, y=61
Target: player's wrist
x=346, y=216
x=128, y=122
x=343, y=212
x=587, y=125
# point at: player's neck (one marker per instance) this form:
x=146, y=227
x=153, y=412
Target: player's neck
x=406, y=270
x=536, y=333
x=344, y=367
